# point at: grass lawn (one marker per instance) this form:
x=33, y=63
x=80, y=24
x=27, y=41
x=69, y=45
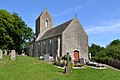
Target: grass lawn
x=29, y=68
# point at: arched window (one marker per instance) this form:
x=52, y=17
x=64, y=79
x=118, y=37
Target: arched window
x=46, y=23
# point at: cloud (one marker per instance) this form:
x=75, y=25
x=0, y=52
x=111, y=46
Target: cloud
x=110, y=28
x=104, y=33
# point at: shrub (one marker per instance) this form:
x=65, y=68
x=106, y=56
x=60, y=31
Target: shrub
x=65, y=57
x=101, y=60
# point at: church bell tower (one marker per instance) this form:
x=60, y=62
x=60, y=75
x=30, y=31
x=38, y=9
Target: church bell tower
x=43, y=23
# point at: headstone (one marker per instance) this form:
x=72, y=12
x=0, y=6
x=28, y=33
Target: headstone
x=46, y=57
x=13, y=55
x=67, y=68
x=5, y=52
x=1, y=53
x=90, y=56
x=81, y=60
x=22, y=51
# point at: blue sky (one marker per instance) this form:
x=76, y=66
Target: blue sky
x=100, y=18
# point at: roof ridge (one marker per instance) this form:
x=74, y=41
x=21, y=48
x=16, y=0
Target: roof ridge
x=55, y=31
x=65, y=22
x=61, y=24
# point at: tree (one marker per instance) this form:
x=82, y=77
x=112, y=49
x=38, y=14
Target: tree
x=101, y=54
x=114, y=42
x=113, y=51
x=93, y=49
x=23, y=33
x=14, y=33
x=6, y=27
x=27, y=37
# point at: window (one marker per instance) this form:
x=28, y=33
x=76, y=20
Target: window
x=46, y=23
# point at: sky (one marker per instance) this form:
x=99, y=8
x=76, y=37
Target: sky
x=99, y=18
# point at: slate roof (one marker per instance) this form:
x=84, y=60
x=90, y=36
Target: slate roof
x=56, y=31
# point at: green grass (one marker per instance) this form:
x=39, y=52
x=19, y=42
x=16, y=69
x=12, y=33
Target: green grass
x=29, y=68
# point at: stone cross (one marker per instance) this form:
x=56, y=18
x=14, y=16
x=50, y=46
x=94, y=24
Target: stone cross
x=1, y=53
x=67, y=68
x=13, y=55
x=67, y=58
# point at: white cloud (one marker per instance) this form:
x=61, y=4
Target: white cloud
x=105, y=33
x=110, y=28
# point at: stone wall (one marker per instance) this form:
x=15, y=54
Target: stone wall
x=45, y=16
x=48, y=46
x=74, y=37
x=30, y=50
x=37, y=26
x=36, y=49
x=40, y=23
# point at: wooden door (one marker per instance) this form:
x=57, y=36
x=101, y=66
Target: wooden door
x=76, y=56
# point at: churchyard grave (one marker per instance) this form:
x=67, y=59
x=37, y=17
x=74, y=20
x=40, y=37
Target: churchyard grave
x=1, y=54
x=46, y=57
x=13, y=55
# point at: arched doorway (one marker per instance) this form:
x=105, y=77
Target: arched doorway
x=76, y=55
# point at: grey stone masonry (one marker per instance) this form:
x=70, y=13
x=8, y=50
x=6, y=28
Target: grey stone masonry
x=82, y=61
x=66, y=37
x=75, y=38
x=46, y=57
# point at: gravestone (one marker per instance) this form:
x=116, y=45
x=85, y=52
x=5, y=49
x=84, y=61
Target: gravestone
x=89, y=56
x=5, y=52
x=81, y=60
x=1, y=53
x=67, y=68
x=13, y=55
x=46, y=57
x=23, y=53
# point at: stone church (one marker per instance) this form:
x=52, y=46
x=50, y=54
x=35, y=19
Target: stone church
x=66, y=37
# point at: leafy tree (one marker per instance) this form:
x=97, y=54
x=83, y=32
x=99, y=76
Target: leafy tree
x=6, y=28
x=101, y=54
x=23, y=33
x=114, y=51
x=27, y=37
x=93, y=49
x=113, y=43
x=14, y=33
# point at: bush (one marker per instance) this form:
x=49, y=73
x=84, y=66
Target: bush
x=101, y=60
x=65, y=57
